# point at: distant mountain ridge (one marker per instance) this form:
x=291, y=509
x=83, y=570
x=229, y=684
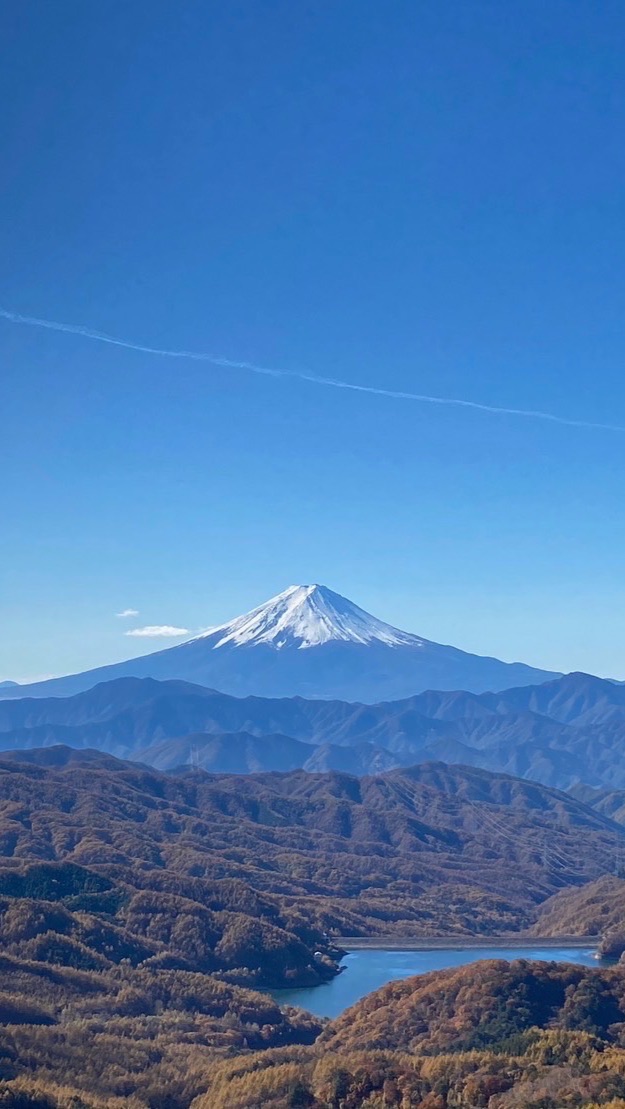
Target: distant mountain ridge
x=561, y=733
x=311, y=642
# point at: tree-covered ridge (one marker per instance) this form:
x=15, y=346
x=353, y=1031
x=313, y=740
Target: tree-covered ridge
x=85, y=921
x=136, y=910
x=493, y=1035
x=434, y=849
x=147, y=1035
x=543, y=1070
x=482, y=1005
x=592, y=909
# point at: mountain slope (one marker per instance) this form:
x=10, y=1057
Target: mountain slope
x=592, y=909
x=242, y=753
x=435, y=849
x=506, y=1035
x=134, y=905
x=151, y=721
x=459, y=1010
x=230, y=753
x=311, y=642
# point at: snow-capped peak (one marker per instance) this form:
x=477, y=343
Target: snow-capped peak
x=307, y=616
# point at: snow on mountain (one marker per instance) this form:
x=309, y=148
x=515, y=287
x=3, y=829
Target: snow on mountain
x=307, y=616
x=307, y=642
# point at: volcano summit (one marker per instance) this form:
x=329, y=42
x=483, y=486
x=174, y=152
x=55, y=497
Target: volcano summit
x=310, y=642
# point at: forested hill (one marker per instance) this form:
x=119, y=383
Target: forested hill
x=137, y=908
x=431, y=849
x=520, y=1035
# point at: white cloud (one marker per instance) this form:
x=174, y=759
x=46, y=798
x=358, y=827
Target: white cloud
x=127, y=612
x=157, y=631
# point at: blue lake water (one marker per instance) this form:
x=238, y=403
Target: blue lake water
x=367, y=970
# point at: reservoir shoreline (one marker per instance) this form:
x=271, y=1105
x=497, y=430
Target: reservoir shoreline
x=369, y=966
x=458, y=943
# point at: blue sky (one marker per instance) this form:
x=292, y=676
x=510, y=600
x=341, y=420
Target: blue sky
x=415, y=197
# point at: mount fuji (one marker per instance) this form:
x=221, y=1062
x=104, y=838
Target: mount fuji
x=307, y=642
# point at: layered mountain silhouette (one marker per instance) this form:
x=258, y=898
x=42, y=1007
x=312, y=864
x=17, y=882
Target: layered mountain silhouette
x=561, y=733
x=308, y=642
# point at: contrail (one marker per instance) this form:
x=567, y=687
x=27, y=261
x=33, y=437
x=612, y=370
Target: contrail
x=301, y=375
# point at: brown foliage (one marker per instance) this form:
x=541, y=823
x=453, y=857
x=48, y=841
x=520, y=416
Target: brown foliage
x=594, y=909
x=409, y=851
x=134, y=905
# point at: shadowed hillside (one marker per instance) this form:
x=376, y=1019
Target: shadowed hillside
x=563, y=733
x=432, y=849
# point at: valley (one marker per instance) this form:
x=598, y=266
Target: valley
x=210, y=900
x=175, y=939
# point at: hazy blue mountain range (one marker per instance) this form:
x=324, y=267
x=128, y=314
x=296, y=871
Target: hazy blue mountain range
x=308, y=642
x=560, y=733
x=610, y=802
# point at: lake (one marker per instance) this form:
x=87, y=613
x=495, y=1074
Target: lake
x=367, y=970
